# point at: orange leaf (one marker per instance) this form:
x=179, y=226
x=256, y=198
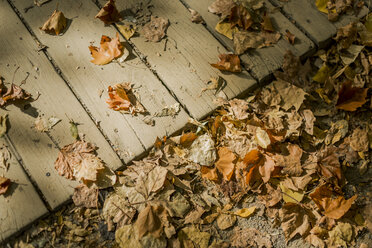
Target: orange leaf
x=253, y=160
x=240, y=17
x=225, y=164
x=267, y=168
x=109, y=14
x=187, y=139
x=266, y=24
x=4, y=184
x=291, y=38
x=333, y=204
x=110, y=49
x=209, y=173
x=350, y=98
x=121, y=98
x=228, y=62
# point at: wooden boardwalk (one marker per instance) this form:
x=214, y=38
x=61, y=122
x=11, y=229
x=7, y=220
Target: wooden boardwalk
x=171, y=71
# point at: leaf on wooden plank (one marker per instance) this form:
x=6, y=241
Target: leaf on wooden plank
x=191, y=236
x=85, y=197
x=109, y=13
x=196, y=17
x=266, y=23
x=331, y=203
x=3, y=124
x=109, y=50
x=127, y=29
x=4, y=185
x=245, y=212
x=209, y=173
x=186, y=139
x=43, y=124
x=56, y=23
x=148, y=222
x=240, y=16
x=5, y=157
x=295, y=220
x=12, y=94
x=225, y=221
x=221, y=7
x=79, y=161
x=226, y=162
x=291, y=163
x=225, y=29
x=228, y=62
x=292, y=95
x=171, y=110
x=244, y=40
x=155, y=30
x=290, y=195
x=291, y=38
x=122, y=98
x=350, y=98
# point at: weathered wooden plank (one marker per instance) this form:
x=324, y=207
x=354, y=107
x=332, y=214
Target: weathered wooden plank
x=185, y=65
x=70, y=52
x=38, y=151
x=314, y=22
x=260, y=62
x=21, y=205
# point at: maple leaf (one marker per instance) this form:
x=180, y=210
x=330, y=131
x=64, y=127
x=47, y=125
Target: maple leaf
x=329, y=164
x=228, y=62
x=85, y=197
x=110, y=49
x=4, y=185
x=148, y=222
x=295, y=220
x=239, y=16
x=291, y=163
x=56, y=23
x=292, y=95
x=155, y=29
x=333, y=204
x=350, y=98
x=79, y=161
x=109, y=14
x=221, y=7
x=121, y=98
x=151, y=180
x=225, y=163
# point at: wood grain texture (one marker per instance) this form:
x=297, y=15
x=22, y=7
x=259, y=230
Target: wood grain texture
x=260, y=62
x=37, y=150
x=129, y=134
x=314, y=22
x=21, y=205
x=185, y=65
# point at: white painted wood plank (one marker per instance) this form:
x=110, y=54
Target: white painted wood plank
x=38, y=151
x=261, y=62
x=185, y=65
x=21, y=205
x=70, y=51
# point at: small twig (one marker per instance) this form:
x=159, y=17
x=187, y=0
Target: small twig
x=14, y=74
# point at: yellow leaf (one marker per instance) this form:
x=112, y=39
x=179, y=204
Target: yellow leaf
x=322, y=75
x=245, y=212
x=322, y=5
x=127, y=29
x=225, y=29
x=290, y=195
x=368, y=23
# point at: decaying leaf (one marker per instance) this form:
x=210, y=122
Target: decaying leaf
x=291, y=38
x=221, y=7
x=329, y=164
x=209, y=173
x=350, y=98
x=295, y=220
x=239, y=108
x=333, y=204
x=202, y=151
x=127, y=29
x=196, y=17
x=186, y=139
x=266, y=23
x=79, y=161
x=122, y=98
x=226, y=163
x=190, y=235
x=12, y=94
x=44, y=125
x=5, y=157
x=240, y=16
x=225, y=29
x=359, y=140
x=85, y=196
x=109, y=14
x=126, y=236
x=56, y=23
x=148, y=222
x=291, y=163
x=292, y=95
x=290, y=195
x=4, y=185
x=262, y=138
x=244, y=40
x=341, y=235
x=171, y=110
x=228, y=62
x=151, y=181
x=155, y=30
x=225, y=221
x=249, y=237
